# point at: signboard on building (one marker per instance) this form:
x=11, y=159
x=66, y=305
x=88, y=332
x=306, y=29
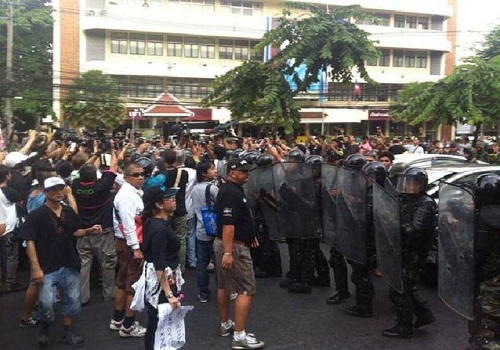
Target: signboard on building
x=378, y=114
x=134, y=113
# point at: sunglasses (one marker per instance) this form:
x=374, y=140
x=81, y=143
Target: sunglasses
x=137, y=175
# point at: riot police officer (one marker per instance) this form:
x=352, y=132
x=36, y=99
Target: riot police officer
x=418, y=220
x=337, y=261
x=485, y=328
x=360, y=276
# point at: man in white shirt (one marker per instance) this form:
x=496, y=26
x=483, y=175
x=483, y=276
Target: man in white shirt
x=128, y=207
x=415, y=146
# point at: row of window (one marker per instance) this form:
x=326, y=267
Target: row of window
x=400, y=58
x=152, y=87
x=184, y=46
x=398, y=21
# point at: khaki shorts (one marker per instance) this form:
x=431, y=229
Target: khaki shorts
x=241, y=277
x=129, y=269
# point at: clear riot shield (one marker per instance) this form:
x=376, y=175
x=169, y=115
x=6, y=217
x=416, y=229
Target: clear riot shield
x=387, y=222
x=456, y=265
x=297, y=203
x=251, y=190
x=350, y=231
x=329, y=190
x=266, y=199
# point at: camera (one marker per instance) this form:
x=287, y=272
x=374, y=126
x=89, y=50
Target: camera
x=224, y=130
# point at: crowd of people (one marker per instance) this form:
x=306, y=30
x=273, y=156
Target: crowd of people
x=137, y=209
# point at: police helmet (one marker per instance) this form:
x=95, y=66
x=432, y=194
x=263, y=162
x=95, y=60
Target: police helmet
x=314, y=159
x=250, y=156
x=355, y=161
x=236, y=153
x=264, y=159
x=146, y=164
x=376, y=171
x=412, y=181
x=295, y=155
x=489, y=188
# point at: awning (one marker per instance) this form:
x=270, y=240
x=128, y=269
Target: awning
x=200, y=114
x=167, y=106
x=332, y=115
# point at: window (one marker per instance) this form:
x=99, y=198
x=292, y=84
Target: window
x=421, y=59
x=137, y=44
x=136, y=87
x=155, y=45
x=154, y=87
x=122, y=82
x=410, y=59
x=194, y=5
x=119, y=43
x=423, y=22
x=399, y=21
x=398, y=58
x=385, y=58
x=207, y=48
x=225, y=49
x=255, y=54
x=241, y=51
x=411, y=22
x=174, y=86
x=174, y=46
x=191, y=89
x=191, y=47
x=246, y=8
x=382, y=19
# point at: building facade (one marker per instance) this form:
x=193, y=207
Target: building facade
x=180, y=46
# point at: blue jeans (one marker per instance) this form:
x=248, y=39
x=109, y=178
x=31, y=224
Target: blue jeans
x=191, y=242
x=205, y=250
x=68, y=282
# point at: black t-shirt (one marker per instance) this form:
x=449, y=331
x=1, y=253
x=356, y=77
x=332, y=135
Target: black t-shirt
x=161, y=245
x=180, y=197
x=397, y=149
x=232, y=209
x=53, y=237
x=95, y=200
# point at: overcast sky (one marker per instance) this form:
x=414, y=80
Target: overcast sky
x=476, y=18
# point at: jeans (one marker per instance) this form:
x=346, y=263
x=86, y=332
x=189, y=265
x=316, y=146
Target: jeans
x=9, y=258
x=68, y=282
x=191, y=242
x=205, y=251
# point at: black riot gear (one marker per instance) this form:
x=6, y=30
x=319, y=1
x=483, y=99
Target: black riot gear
x=146, y=164
x=314, y=159
x=489, y=188
x=376, y=171
x=412, y=181
x=295, y=155
x=355, y=161
x=264, y=159
x=250, y=156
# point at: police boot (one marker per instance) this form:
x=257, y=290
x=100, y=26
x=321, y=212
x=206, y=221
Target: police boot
x=424, y=319
x=359, y=311
x=398, y=331
x=338, y=297
x=320, y=281
x=299, y=288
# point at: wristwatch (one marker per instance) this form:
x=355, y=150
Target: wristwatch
x=170, y=295
x=228, y=253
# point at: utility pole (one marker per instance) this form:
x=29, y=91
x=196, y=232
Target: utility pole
x=8, y=72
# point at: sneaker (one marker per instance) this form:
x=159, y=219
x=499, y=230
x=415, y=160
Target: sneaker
x=233, y=296
x=210, y=266
x=72, y=339
x=424, y=319
x=203, y=298
x=249, y=342
x=224, y=332
x=135, y=331
x=29, y=322
x=115, y=325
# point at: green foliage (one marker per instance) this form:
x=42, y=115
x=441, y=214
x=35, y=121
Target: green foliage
x=258, y=93
x=324, y=42
x=491, y=47
x=470, y=95
x=93, y=102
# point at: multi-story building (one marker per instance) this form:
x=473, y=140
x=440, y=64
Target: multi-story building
x=180, y=46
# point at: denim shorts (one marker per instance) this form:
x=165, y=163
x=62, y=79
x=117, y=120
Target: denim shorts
x=68, y=282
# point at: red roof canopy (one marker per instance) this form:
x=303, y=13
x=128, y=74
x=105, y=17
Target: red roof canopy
x=167, y=105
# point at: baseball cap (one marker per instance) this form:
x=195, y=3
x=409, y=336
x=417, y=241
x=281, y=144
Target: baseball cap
x=14, y=158
x=238, y=164
x=52, y=182
x=158, y=193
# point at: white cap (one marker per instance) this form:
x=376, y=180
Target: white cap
x=53, y=182
x=14, y=158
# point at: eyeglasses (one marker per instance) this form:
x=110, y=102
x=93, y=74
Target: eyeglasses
x=137, y=175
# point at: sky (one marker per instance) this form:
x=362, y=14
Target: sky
x=475, y=19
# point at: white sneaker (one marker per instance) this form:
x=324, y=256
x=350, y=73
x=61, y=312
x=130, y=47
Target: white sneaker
x=115, y=325
x=135, y=331
x=249, y=342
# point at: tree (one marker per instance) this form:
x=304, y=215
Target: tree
x=470, y=95
x=93, y=102
x=323, y=42
x=32, y=59
x=255, y=91
x=491, y=46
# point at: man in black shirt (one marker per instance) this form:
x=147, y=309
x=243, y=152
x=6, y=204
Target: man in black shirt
x=235, y=274
x=50, y=231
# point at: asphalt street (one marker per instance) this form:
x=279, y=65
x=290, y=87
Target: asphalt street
x=282, y=320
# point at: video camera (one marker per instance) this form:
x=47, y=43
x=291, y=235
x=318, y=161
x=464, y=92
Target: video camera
x=224, y=130
x=180, y=130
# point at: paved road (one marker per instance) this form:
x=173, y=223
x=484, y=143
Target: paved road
x=282, y=320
